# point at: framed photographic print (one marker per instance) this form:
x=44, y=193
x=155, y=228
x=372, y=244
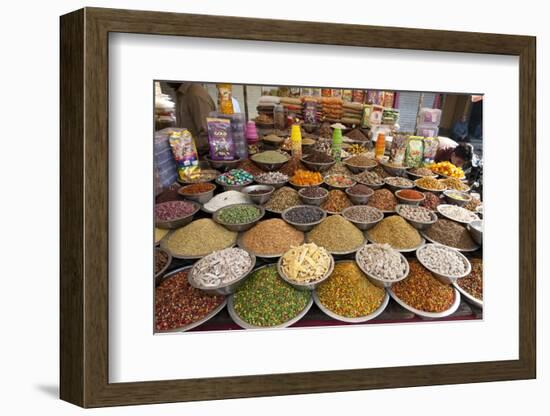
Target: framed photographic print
x=253, y=207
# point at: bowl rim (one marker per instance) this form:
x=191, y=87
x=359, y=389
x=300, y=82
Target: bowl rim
x=209, y=159
x=313, y=197
x=448, y=191
x=243, y=190
x=196, y=285
x=197, y=206
x=401, y=187
x=391, y=281
x=216, y=214
x=428, y=189
x=385, y=163
x=314, y=207
x=432, y=213
x=346, y=162
x=434, y=315
x=409, y=199
x=180, y=190
x=477, y=302
x=270, y=163
x=359, y=196
x=465, y=250
x=343, y=214
x=305, y=161
x=165, y=267
x=454, y=219
x=450, y=277
x=291, y=282
x=354, y=182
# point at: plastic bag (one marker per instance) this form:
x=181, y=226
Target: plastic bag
x=430, y=149
x=185, y=153
x=220, y=139
x=415, y=151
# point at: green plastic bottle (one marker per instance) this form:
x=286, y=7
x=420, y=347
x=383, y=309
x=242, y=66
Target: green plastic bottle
x=337, y=144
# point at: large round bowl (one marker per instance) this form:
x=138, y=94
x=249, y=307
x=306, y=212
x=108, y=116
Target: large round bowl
x=477, y=232
x=276, y=185
x=160, y=273
x=394, y=170
x=444, y=278
x=415, y=176
x=359, y=199
x=362, y=225
x=226, y=289
x=179, y=222
x=428, y=315
x=358, y=320
x=195, y=324
x=201, y=198
x=469, y=298
x=463, y=250
x=269, y=167
x=394, y=188
x=222, y=165
x=263, y=256
x=340, y=187
x=441, y=207
x=418, y=224
x=233, y=187
x=435, y=191
x=317, y=200
x=451, y=197
x=339, y=253
x=259, y=199
x=305, y=286
x=301, y=226
x=358, y=169
x=238, y=227
x=401, y=250
x=378, y=281
x=408, y=201
x=317, y=166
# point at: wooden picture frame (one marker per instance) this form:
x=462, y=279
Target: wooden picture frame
x=84, y=207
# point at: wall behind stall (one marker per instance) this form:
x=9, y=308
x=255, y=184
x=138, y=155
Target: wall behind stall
x=30, y=184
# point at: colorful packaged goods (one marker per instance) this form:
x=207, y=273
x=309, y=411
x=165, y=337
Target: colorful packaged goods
x=220, y=139
x=185, y=153
x=414, y=152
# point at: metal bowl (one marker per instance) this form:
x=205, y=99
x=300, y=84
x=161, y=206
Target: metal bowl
x=233, y=187
x=358, y=169
x=417, y=224
x=308, y=200
x=195, y=324
x=305, y=286
x=445, y=278
x=180, y=222
x=201, y=198
x=401, y=250
x=223, y=165
x=238, y=227
x=263, y=256
x=414, y=176
x=469, y=298
x=359, y=199
x=161, y=272
x=307, y=226
x=298, y=187
x=435, y=191
x=357, y=320
x=276, y=185
x=377, y=281
x=363, y=226
x=395, y=188
x=440, y=206
x=428, y=315
x=269, y=167
x=394, y=170
x=341, y=187
x=370, y=185
x=457, y=201
x=407, y=201
x=317, y=166
x=464, y=250
x=259, y=199
x=476, y=234
x=226, y=289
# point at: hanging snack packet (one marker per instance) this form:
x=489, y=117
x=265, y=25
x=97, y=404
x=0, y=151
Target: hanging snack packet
x=398, y=148
x=185, y=154
x=220, y=139
x=430, y=149
x=415, y=151
x=225, y=95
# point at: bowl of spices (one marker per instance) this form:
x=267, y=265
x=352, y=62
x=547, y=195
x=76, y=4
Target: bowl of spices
x=275, y=179
x=198, y=192
x=471, y=286
x=304, y=178
x=419, y=217
x=446, y=263
x=348, y=295
x=223, y=165
x=457, y=197
x=456, y=213
x=338, y=235
x=282, y=199
x=303, y=217
x=430, y=184
x=359, y=194
x=383, y=265
x=259, y=194
x=235, y=179
x=337, y=201
x=270, y=238
x=239, y=217
x=371, y=179
x=181, y=307
x=417, y=173
x=476, y=231
x=317, y=161
x=198, y=239
x=409, y=196
x=222, y=272
x=454, y=183
x=363, y=216
x=424, y=295
x=313, y=195
x=265, y=300
x=431, y=201
x=451, y=234
x=394, y=169
x=384, y=200
x=162, y=260
x=360, y=163
x=175, y=214
x=306, y=266
x=270, y=160
x=396, y=232
x=395, y=183
x=339, y=181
